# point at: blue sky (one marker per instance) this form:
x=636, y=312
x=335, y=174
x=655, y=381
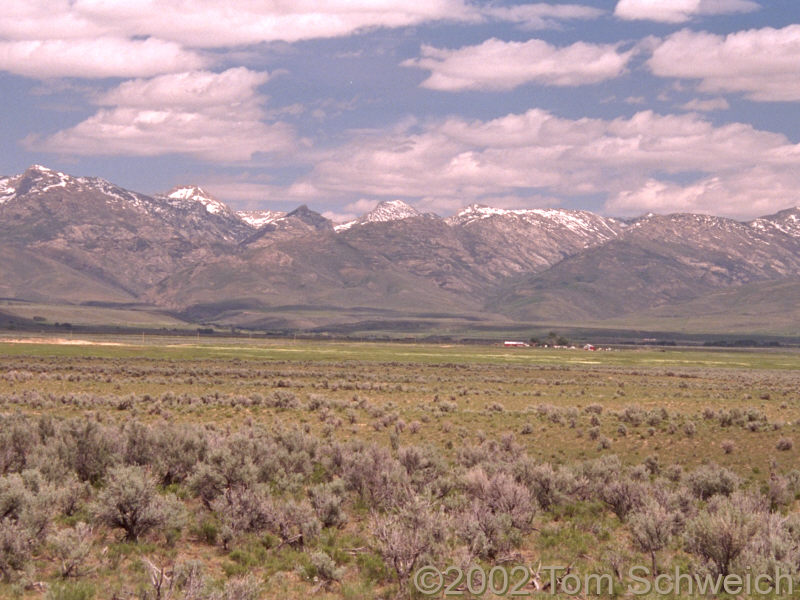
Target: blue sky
x=618, y=107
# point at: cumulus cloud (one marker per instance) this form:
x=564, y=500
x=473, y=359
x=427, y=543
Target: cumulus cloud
x=210, y=23
x=350, y=211
x=762, y=63
x=541, y=15
x=539, y=154
x=193, y=89
x=679, y=11
x=45, y=20
x=213, y=116
x=499, y=65
x=95, y=58
x=753, y=192
x=140, y=38
x=707, y=105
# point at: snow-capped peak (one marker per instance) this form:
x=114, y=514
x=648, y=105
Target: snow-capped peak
x=578, y=221
x=36, y=179
x=388, y=210
x=187, y=194
x=259, y=218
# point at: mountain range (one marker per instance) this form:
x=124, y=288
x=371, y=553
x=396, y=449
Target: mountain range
x=68, y=240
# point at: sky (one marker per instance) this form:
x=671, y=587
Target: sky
x=620, y=107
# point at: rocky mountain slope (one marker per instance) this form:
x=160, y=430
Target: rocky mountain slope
x=656, y=261
x=78, y=239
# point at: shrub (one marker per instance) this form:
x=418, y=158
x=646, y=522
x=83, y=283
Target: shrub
x=653, y=464
x=88, y=449
x=296, y=523
x=486, y=533
x=178, y=450
x=652, y=526
x=773, y=547
x=327, y=500
x=284, y=399
x=784, y=444
x=728, y=446
x=633, y=415
x=28, y=500
x=15, y=549
x=379, y=480
x=207, y=483
x=779, y=492
x=17, y=440
x=13, y=496
x=709, y=480
x=721, y=533
x=247, y=509
x=542, y=481
x=71, y=547
x=325, y=567
x=622, y=496
x=404, y=537
x=130, y=502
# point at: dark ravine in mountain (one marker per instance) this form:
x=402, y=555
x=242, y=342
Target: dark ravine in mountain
x=77, y=240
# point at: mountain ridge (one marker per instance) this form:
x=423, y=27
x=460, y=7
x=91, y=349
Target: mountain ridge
x=186, y=248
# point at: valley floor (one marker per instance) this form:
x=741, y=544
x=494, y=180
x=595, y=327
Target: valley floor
x=296, y=468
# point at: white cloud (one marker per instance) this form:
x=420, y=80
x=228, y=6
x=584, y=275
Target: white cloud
x=499, y=65
x=46, y=20
x=707, y=105
x=95, y=58
x=679, y=11
x=350, y=211
x=193, y=89
x=140, y=38
x=213, y=116
x=541, y=15
x=762, y=63
x=756, y=191
x=210, y=23
x=536, y=154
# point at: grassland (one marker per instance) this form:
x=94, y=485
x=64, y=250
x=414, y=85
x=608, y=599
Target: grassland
x=465, y=412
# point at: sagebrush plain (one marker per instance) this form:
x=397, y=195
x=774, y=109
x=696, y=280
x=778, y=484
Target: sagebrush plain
x=293, y=469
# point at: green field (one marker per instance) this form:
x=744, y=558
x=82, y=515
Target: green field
x=526, y=455
x=79, y=315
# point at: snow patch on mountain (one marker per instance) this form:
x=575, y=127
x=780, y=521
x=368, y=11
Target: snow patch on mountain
x=578, y=221
x=259, y=218
x=787, y=221
x=7, y=190
x=41, y=179
x=184, y=196
x=388, y=210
